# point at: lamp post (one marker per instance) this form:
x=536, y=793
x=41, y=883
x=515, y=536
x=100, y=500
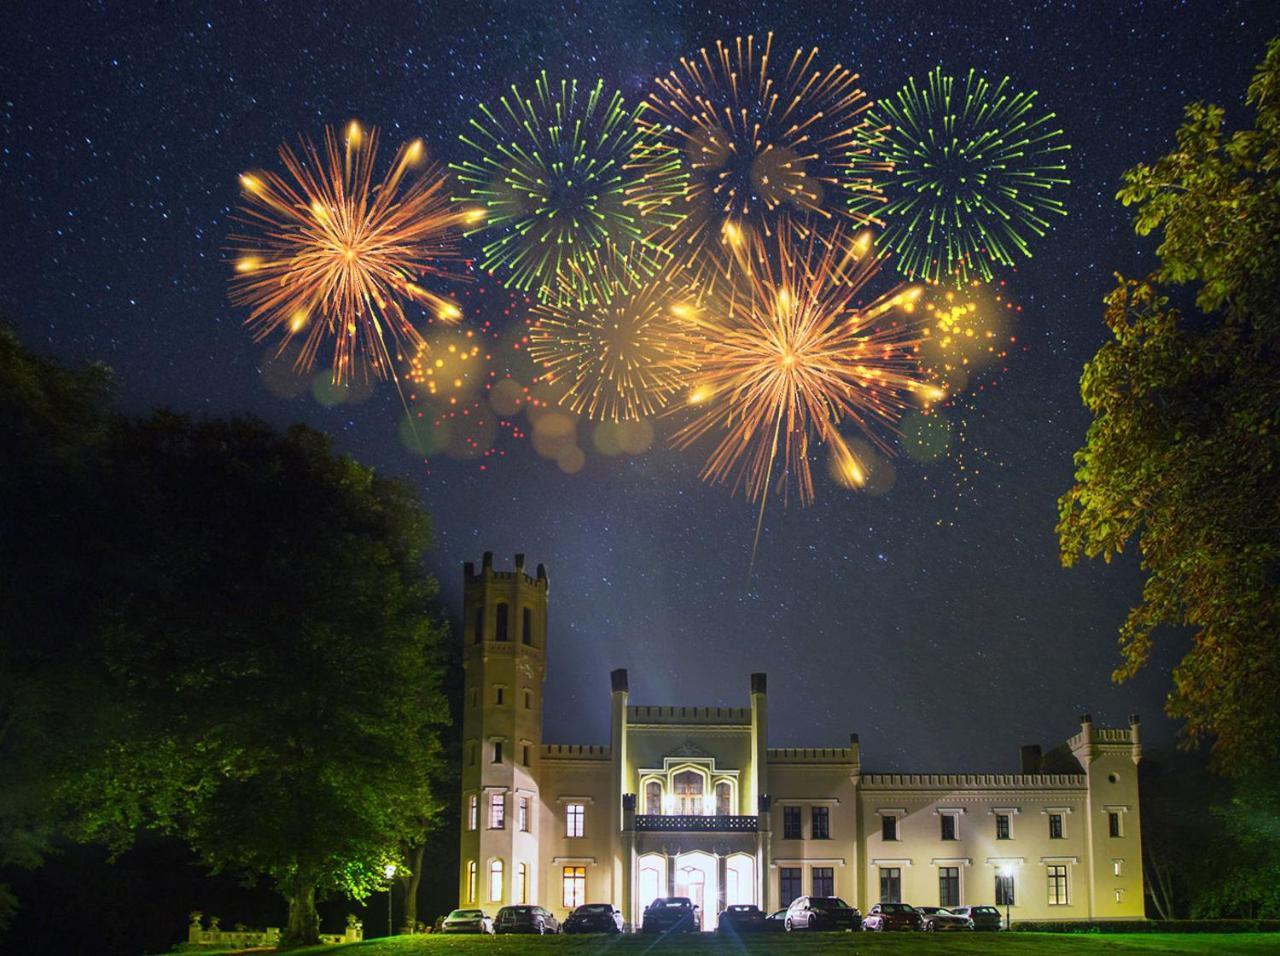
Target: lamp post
x=1006, y=873
x=389, y=871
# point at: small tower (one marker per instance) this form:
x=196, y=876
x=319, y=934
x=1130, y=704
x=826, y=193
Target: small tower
x=504, y=636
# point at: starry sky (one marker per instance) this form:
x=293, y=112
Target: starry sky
x=933, y=619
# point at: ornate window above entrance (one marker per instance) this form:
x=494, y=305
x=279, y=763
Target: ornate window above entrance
x=688, y=791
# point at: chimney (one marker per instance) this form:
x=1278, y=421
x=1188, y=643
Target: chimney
x=759, y=684
x=1029, y=759
x=618, y=680
x=519, y=563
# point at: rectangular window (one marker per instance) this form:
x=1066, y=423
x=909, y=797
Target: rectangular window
x=948, y=886
x=788, y=884
x=890, y=884
x=528, y=700
x=473, y=812
x=575, y=819
x=791, y=825
x=522, y=814
x=500, y=628
x=1117, y=866
x=497, y=811
x=524, y=754
x=824, y=881
x=526, y=627
x=948, y=826
x=1055, y=826
x=1002, y=826
x=1058, y=885
x=1004, y=890
x=497, y=751
x=821, y=821
x=574, y=882
x=497, y=696
x=888, y=829
x=1113, y=823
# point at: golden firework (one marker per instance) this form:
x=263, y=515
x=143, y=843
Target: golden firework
x=790, y=358
x=330, y=253
x=621, y=350
x=770, y=148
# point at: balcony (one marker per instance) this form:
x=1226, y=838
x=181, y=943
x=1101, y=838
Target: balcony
x=690, y=823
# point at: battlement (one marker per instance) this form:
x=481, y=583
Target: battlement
x=811, y=755
x=576, y=752
x=974, y=781
x=487, y=572
x=701, y=716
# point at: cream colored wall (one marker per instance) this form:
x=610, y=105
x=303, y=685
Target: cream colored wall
x=1110, y=757
x=575, y=772
x=657, y=733
x=809, y=778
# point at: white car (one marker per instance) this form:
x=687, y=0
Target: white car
x=467, y=921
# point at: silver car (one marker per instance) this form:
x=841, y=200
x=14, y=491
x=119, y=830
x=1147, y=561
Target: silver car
x=939, y=919
x=467, y=921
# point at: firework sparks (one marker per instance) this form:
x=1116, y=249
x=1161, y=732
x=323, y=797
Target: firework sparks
x=551, y=171
x=769, y=148
x=622, y=350
x=973, y=170
x=790, y=358
x=332, y=254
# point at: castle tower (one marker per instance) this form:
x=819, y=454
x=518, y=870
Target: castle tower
x=504, y=636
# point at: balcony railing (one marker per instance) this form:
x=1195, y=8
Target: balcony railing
x=698, y=824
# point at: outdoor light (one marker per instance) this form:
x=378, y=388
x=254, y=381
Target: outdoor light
x=389, y=871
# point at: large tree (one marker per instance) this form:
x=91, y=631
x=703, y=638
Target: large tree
x=1183, y=455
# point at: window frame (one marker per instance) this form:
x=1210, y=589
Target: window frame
x=1006, y=890
x=573, y=886
x=497, y=880
x=792, y=822
x=946, y=820
x=473, y=876
x=822, y=832
x=1058, y=884
x=526, y=626
x=502, y=622
x=1115, y=829
x=1057, y=821
x=790, y=875
x=473, y=812
x=890, y=884
x=497, y=811
x=827, y=874
x=522, y=813
x=575, y=820
x=948, y=878
x=889, y=830
x=1004, y=826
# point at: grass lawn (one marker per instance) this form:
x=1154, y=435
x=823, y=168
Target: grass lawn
x=820, y=944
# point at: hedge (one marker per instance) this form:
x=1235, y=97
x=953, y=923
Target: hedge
x=1149, y=926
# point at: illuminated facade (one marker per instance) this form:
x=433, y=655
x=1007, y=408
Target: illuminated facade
x=692, y=801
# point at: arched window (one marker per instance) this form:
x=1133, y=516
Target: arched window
x=526, y=626
x=653, y=797
x=688, y=788
x=522, y=883
x=479, y=628
x=495, y=881
x=723, y=808
x=471, y=881
x=500, y=628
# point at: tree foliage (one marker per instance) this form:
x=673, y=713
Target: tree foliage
x=1183, y=455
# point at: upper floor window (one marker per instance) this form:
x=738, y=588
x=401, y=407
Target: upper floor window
x=1002, y=826
x=479, y=625
x=528, y=700
x=500, y=623
x=1055, y=826
x=889, y=831
x=1057, y=885
x=522, y=814
x=524, y=754
x=575, y=815
x=473, y=811
x=824, y=881
x=688, y=786
x=498, y=695
x=722, y=800
x=653, y=798
x=497, y=751
x=948, y=821
x=820, y=822
x=526, y=626
x=1113, y=823
x=791, y=824
x=497, y=811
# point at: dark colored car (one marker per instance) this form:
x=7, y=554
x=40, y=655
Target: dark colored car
x=888, y=917
x=822, y=913
x=980, y=917
x=594, y=918
x=671, y=914
x=467, y=921
x=776, y=922
x=525, y=919
x=939, y=919
x=741, y=918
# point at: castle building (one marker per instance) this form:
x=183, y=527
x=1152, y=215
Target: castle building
x=692, y=801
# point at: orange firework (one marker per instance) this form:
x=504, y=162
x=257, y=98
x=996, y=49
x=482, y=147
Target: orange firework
x=334, y=254
x=790, y=358
x=769, y=148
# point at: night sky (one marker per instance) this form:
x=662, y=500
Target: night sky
x=933, y=619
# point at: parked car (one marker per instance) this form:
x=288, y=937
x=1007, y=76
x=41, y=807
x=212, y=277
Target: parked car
x=776, y=922
x=525, y=919
x=980, y=917
x=822, y=913
x=467, y=921
x=741, y=918
x=939, y=919
x=671, y=914
x=892, y=916
x=594, y=918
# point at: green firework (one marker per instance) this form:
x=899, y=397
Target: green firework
x=553, y=173
x=972, y=174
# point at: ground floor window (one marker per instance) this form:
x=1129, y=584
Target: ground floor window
x=890, y=884
x=1058, y=885
x=788, y=884
x=1004, y=890
x=949, y=886
x=574, y=883
x=824, y=881
x=495, y=881
x=522, y=883
x=471, y=881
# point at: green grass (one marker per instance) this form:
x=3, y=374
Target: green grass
x=821, y=944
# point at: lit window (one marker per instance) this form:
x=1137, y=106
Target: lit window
x=890, y=884
x=948, y=821
x=820, y=821
x=1119, y=894
x=1055, y=826
x=688, y=788
x=722, y=799
x=497, y=811
x=1002, y=826
x=948, y=886
x=471, y=881
x=653, y=798
x=1116, y=867
x=574, y=883
x=824, y=881
x=495, y=881
x=526, y=628
x=522, y=815
x=1113, y=823
x=791, y=824
x=473, y=811
x=500, y=628
x=575, y=819
x=1057, y=885
x=889, y=831
x=522, y=883
x=1004, y=890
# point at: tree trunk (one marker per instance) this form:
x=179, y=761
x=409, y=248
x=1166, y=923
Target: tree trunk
x=304, y=922
x=411, y=884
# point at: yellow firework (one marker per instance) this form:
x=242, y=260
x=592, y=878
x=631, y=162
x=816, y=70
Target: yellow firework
x=622, y=350
x=331, y=254
x=790, y=358
x=771, y=148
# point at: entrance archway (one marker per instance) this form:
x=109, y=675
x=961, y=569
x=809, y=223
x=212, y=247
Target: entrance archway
x=651, y=879
x=740, y=880
x=696, y=878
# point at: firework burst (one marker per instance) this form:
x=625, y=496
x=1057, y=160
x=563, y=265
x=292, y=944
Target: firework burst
x=791, y=357
x=622, y=349
x=973, y=169
x=332, y=254
x=768, y=147
x=551, y=171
